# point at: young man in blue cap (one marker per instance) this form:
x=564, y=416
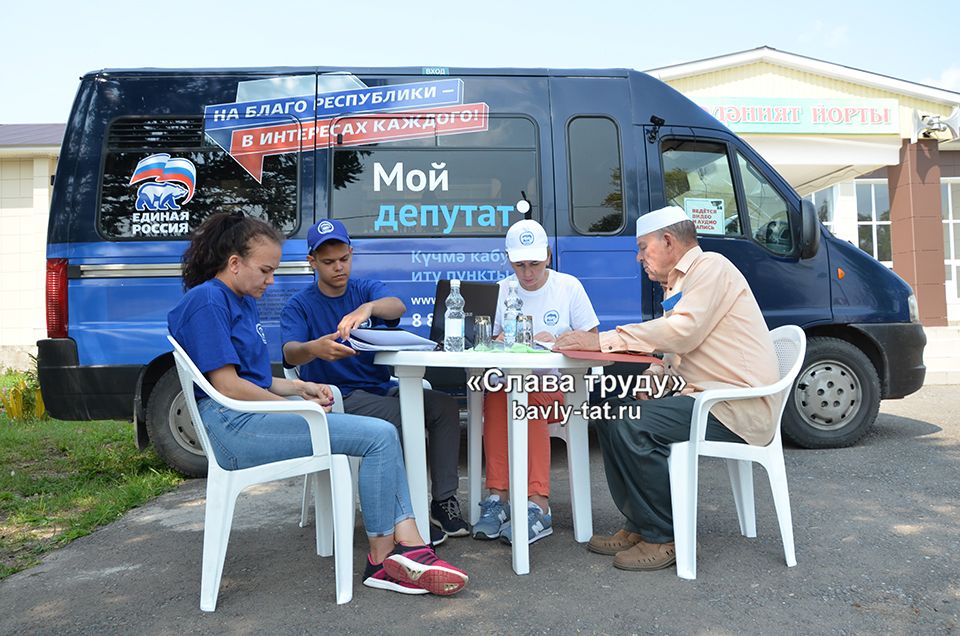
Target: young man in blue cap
x=316, y=319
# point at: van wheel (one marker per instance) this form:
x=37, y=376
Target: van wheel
x=170, y=427
x=836, y=396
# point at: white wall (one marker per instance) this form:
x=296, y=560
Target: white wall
x=24, y=207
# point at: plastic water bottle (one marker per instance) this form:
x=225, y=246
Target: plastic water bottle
x=513, y=304
x=453, y=319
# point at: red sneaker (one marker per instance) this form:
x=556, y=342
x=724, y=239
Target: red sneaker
x=419, y=566
x=375, y=576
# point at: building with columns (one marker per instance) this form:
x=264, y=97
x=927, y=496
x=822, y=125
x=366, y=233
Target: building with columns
x=863, y=147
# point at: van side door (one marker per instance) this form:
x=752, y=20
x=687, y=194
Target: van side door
x=598, y=191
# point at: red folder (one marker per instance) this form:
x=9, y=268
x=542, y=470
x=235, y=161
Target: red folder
x=622, y=356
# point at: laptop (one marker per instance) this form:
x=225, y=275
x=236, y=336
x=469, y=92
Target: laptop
x=480, y=299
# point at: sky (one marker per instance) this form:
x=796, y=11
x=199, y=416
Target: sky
x=46, y=46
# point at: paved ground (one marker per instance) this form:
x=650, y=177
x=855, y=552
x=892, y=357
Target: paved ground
x=877, y=533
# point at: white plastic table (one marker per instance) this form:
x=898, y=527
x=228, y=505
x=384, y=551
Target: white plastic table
x=409, y=367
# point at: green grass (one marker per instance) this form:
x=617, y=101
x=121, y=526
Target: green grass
x=61, y=480
x=9, y=378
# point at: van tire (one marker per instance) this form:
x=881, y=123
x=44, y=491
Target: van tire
x=170, y=427
x=836, y=397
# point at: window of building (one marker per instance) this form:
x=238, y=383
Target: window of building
x=697, y=177
x=950, y=214
x=463, y=184
x=873, y=220
x=825, y=202
x=596, y=189
x=769, y=220
x=209, y=181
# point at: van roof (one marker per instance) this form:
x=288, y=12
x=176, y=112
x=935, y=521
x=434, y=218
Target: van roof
x=407, y=70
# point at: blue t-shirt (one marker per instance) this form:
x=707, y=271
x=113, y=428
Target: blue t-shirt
x=311, y=314
x=216, y=328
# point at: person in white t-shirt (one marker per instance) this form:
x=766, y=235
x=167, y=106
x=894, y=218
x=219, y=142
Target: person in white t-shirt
x=558, y=303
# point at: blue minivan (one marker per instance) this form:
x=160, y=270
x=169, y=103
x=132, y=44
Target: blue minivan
x=427, y=167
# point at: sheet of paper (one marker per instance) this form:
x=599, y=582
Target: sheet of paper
x=360, y=345
x=389, y=340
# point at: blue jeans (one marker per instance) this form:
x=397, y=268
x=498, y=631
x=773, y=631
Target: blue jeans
x=242, y=440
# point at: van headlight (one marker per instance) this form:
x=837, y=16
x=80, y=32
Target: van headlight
x=914, y=308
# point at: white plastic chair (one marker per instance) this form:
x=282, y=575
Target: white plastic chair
x=578, y=464
x=310, y=481
x=791, y=345
x=334, y=535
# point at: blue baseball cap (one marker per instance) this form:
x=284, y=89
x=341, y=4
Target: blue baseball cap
x=326, y=230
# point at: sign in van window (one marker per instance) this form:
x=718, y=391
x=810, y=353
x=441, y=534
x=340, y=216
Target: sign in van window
x=439, y=185
x=160, y=183
x=706, y=214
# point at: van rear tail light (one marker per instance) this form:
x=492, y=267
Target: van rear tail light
x=56, y=298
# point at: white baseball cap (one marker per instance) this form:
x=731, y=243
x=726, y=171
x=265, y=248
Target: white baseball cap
x=526, y=241
x=659, y=219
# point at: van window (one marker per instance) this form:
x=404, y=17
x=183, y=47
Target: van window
x=697, y=178
x=162, y=178
x=769, y=220
x=596, y=189
x=442, y=185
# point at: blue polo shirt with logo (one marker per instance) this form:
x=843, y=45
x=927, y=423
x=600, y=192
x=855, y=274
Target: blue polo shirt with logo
x=216, y=327
x=311, y=314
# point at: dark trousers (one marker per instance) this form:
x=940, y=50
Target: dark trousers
x=442, y=421
x=635, y=453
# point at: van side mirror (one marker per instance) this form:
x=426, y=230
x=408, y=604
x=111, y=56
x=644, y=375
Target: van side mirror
x=809, y=230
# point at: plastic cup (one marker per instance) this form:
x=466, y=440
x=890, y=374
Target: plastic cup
x=525, y=330
x=481, y=333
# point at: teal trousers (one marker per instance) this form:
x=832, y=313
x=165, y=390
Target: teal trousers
x=635, y=452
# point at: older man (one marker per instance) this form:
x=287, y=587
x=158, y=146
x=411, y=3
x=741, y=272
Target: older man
x=713, y=335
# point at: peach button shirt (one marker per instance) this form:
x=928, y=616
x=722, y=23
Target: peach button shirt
x=714, y=337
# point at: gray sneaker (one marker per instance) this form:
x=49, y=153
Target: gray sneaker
x=539, y=524
x=493, y=514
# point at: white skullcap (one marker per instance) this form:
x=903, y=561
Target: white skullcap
x=659, y=219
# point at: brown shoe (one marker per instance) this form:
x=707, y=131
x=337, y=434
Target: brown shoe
x=610, y=544
x=646, y=556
